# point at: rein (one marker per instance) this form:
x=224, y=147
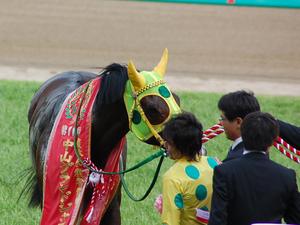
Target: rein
x=130, y=195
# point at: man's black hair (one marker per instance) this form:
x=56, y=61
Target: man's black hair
x=238, y=104
x=259, y=130
x=185, y=132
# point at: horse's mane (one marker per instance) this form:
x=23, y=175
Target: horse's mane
x=47, y=101
x=114, y=78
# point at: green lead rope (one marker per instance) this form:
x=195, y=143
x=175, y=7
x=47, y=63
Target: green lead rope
x=130, y=195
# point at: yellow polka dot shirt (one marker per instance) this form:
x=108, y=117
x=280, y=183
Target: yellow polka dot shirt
x=187, y=186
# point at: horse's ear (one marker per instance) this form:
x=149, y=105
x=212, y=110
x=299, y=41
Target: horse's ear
x=136, y=79
x=162, y=65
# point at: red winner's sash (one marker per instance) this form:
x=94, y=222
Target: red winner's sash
x=65, y=178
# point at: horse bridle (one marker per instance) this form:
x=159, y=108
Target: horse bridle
x=137, y=103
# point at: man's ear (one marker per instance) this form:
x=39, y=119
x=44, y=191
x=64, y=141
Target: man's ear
x=239, y=121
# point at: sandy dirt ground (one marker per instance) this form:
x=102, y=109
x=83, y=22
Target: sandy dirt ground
x=212, y=48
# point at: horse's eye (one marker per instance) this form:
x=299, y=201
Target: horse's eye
x=155, y=108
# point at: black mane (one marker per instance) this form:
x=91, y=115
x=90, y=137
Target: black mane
x=114, y=78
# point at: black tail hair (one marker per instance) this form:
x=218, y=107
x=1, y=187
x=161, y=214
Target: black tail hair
x=30, y=189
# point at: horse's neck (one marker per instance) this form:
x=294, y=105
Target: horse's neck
x=110, y=124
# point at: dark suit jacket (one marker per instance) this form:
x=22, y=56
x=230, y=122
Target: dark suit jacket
x=289, y=133
x=254, y=189
x=235, y=153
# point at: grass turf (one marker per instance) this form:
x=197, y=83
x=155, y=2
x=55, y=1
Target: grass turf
x=14, y=153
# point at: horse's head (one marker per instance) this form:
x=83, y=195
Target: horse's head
x=149, y=101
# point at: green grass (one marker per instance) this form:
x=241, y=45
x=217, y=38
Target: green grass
x=14, y=154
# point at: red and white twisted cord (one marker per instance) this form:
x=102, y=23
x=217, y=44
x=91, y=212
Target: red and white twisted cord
x=211, y=135
x=286, y=153
x=288, y=146
x=212, y=129
x=212, y=132
x=217, y=129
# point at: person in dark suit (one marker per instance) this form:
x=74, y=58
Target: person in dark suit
x=234, y=106
x=252, y=188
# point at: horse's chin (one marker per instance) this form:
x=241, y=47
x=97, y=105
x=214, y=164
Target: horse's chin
x=153, y=141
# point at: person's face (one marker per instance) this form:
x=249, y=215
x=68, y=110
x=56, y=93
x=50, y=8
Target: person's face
x=172, y=150
x=232, y=128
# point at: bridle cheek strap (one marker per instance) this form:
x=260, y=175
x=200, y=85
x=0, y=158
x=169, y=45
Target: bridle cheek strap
x=145, y=119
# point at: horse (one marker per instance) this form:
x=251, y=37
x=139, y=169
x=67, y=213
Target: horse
x=125, y=96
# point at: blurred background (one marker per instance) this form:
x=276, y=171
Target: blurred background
x=212, y=48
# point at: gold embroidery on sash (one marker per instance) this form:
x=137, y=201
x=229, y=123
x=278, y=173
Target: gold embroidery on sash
x=65, y=164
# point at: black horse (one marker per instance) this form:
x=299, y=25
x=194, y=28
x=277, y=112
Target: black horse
x=109, y=123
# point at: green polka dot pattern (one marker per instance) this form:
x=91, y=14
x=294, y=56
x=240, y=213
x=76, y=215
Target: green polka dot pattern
x=178, y=200
x=192, y=172
x=201, y=192
x=212, y=162
x=136, y=117
x=163, y=91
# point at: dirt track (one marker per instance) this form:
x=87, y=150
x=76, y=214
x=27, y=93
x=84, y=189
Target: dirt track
x=212, y=48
